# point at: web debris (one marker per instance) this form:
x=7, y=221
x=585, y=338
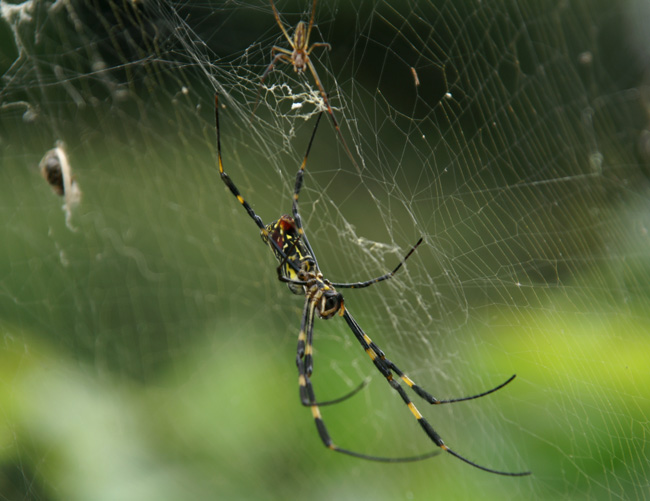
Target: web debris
x=55, y=169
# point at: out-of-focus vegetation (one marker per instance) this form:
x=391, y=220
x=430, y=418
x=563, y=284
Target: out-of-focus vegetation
x=149, y=354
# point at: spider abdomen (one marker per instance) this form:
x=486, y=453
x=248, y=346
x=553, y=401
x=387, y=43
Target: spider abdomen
x=297, y=263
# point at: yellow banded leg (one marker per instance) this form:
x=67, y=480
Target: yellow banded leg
x=387, y=368
x=304, y=362
x=298, y=186
x=307, y=392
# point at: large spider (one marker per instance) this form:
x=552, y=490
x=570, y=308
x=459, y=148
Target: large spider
x=298, y=57
x=299, y=269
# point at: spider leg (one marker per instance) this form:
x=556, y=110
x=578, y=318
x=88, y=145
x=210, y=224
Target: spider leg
x=359, y=285
x=360, y=387
x=311, y=23
x=233, y=189
x=277, y=18
x=319, y=44
x=421, y=392
x=417, y=389
x=331, y=113
x=290, y=280
x=283, y=55
x=433, y=400
x=300, y=176
x=226, y=179
x=298, y=186
x=305, y=365
x=308, y=398
x=387, y=368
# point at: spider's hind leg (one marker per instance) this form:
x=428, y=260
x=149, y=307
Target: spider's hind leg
x=387, y=368
x=303, y=361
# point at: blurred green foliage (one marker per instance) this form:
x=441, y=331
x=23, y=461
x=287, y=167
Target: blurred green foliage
x=150, y=353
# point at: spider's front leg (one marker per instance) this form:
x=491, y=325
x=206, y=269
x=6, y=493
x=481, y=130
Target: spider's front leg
x=282, y=55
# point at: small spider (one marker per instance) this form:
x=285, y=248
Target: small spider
x=298, y=57
x=299, y=269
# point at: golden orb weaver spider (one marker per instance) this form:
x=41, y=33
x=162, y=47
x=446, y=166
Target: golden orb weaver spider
x=299, y=58
x=299, y=269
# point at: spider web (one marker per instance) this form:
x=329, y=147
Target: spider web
x=147, y=347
